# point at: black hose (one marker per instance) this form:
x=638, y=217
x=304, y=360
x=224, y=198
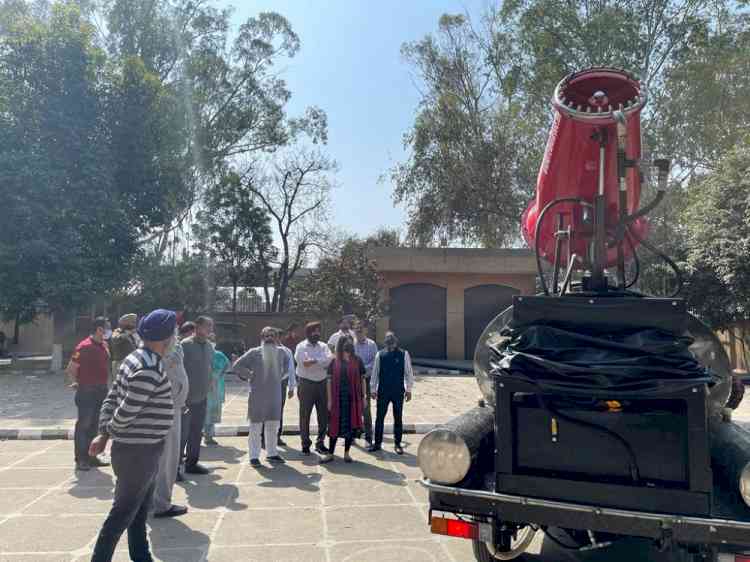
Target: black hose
x=634, y=472
x=654, y=250
x=636, y=261
x=643, y=211
x=538, y=230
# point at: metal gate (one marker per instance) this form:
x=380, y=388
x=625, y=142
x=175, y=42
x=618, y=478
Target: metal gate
x=481, y=305
x=418, y=317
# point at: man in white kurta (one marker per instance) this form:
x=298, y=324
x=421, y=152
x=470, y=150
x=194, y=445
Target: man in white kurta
x=264, y=368
x=170, y=458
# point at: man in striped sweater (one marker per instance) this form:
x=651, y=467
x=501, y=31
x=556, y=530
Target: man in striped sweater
x=137, y=415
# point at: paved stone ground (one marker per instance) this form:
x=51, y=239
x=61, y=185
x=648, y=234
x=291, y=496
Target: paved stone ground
x=44, y=402
x=371, y=510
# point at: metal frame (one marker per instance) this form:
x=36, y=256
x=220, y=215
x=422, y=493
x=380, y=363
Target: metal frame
x=523, y=509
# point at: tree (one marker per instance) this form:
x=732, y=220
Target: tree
x=69, y=239
x=295, y=192
x=467, y=176
x=183, y=285
x=718, y=240
x=223, y=96
x=346, y=281
x=235, y=234
x=483, y=119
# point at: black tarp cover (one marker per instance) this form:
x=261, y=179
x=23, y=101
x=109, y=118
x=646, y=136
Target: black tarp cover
x=598, y=361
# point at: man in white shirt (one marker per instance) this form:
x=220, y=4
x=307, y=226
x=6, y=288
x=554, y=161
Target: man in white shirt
x=345, y=329
x=313, y=358
x=391, y=382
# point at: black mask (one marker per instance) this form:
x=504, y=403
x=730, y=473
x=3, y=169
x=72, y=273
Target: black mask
x=314, y=338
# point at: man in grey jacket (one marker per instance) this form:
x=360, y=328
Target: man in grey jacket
x=198, y=356
x=170, y=458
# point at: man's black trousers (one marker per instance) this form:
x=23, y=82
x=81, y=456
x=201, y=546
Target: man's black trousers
x=88, y=400
x=193, y=420
x=395, y=399
x=135, y=467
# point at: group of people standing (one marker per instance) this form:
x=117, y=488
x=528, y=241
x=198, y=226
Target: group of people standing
x=167, y=395
x=337, y=380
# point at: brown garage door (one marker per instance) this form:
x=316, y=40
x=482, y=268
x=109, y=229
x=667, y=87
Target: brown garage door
x=418, y=318
x=481, y=305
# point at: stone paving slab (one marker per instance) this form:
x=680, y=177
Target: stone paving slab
x=34, y=407
x=372, y=509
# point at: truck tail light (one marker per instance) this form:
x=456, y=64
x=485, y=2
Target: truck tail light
x=454, y=528
x=742, y=558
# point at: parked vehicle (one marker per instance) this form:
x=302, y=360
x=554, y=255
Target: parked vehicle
x=606, y=413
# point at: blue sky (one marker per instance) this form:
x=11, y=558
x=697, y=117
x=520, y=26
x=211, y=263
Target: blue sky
x=350, y=65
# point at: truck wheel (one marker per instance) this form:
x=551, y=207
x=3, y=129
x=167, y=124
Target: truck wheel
x=738, y=392
x=481, y=554
x=518, y=547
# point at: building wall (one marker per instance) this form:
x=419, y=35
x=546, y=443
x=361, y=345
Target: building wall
x=34, y=338
x=455, y=284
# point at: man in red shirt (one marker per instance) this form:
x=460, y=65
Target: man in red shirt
x=88, y=369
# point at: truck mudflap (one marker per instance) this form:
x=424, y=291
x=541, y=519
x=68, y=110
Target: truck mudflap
x=724, y=533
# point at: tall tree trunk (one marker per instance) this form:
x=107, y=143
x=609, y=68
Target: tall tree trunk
x=16, y=328
x=234, y=301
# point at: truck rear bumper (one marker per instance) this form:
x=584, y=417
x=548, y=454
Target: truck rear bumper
x=724, y=533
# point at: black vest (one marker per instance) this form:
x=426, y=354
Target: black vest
x=391, y=373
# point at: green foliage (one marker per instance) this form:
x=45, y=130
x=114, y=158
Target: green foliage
x=483, y=119
x=182, y=285
x=469, y=172
x=64, y=240
x=149, y=143
x=116, y=116
x=346, y=281
x=718, y=240
x=235, y=234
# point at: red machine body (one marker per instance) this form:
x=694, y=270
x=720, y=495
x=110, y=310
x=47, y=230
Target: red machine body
x=585, y=104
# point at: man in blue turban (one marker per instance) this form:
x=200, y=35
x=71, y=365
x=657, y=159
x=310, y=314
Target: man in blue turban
x=137, y=415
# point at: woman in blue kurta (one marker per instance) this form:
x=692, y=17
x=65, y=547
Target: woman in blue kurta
x=215, y=400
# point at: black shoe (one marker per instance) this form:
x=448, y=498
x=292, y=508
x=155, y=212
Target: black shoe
x=210, y=441
x=368, y=439
x=320, y=448
x=174, y=511
x=97, y=462
x=83, y=466
x=254, y=462
x=276, y=459
x=196, y=469
x=280, y=442
x=306, y=451
x=373, y=448
x=399, y=450
x=179, y=477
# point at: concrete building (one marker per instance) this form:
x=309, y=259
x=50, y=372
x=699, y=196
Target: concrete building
x=439, y=300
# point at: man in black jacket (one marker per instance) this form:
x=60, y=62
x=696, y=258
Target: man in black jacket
x=390, y=383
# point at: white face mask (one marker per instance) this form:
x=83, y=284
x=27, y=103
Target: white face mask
x=107, y=334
